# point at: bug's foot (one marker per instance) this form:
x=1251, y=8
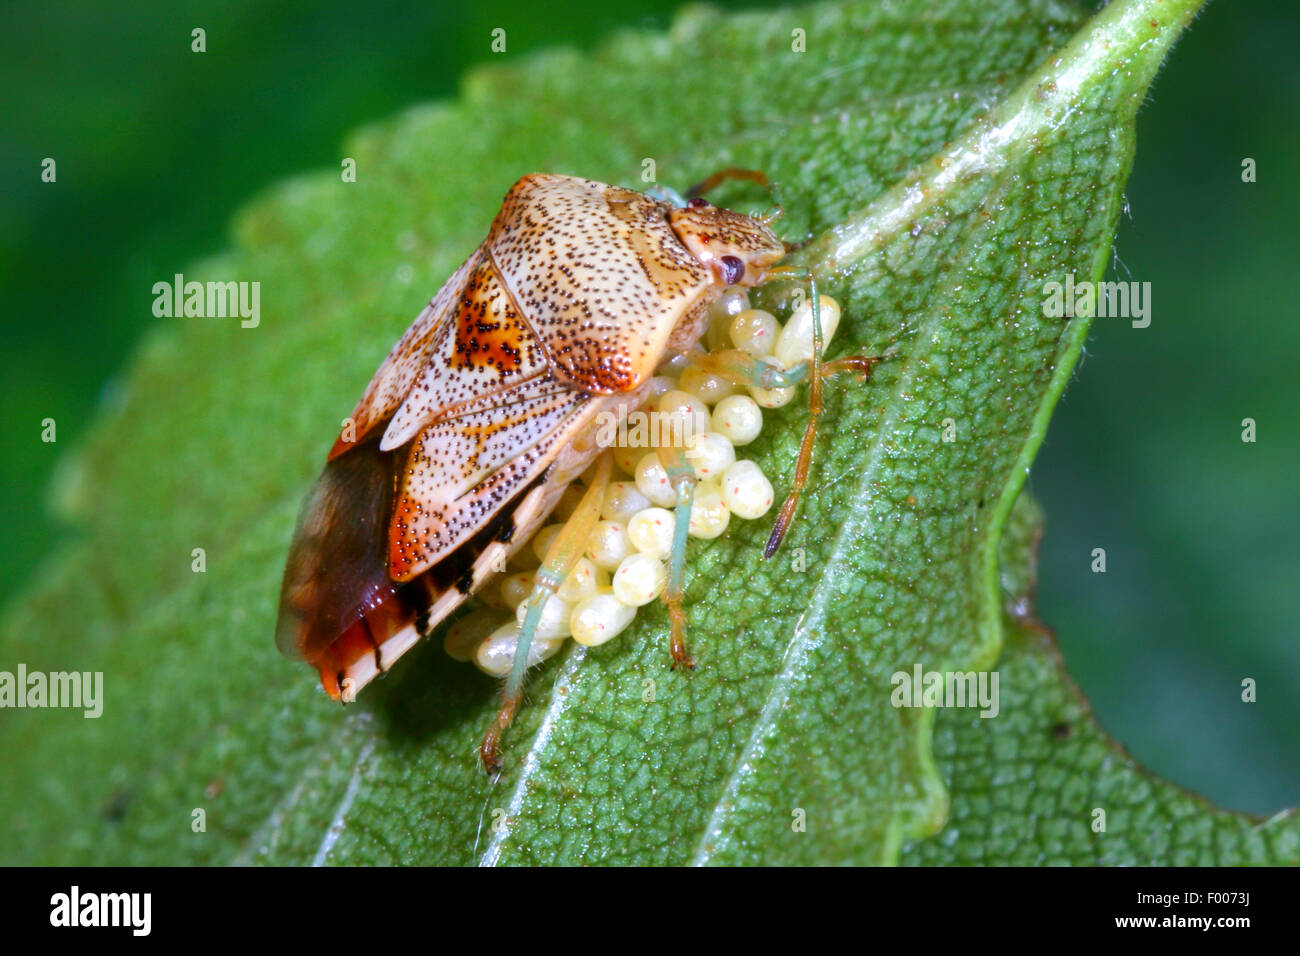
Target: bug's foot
x=685, y=662
x=490, y=750
x=782, y=525
x=681, y=657
x=861, y=366
x=490, y=754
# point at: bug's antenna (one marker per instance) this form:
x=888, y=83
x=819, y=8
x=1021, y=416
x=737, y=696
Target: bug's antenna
x=722, y=175
x=752, y=175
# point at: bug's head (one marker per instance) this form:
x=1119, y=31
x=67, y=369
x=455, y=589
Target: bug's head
x=738, y=248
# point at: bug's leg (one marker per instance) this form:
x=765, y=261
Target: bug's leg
x=743, y=369
x=861, y=365
x=681, y=476
x=737, y=366
x=786, y=515
x=561, y=556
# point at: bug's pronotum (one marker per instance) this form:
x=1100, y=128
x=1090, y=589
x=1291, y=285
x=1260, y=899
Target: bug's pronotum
x=491, y=404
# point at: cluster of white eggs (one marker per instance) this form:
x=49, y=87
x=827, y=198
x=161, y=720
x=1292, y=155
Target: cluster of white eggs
x=625, y=563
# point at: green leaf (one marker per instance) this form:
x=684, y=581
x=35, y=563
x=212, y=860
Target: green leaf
x=951, y=160
x=1027, y=788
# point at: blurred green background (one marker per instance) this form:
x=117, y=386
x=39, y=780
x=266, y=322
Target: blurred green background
x=157, y=147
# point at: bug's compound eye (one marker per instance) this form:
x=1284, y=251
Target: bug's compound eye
x=733, y=269
x=696, y=203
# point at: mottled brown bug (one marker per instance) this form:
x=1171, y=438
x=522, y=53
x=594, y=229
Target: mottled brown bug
x=483, y=414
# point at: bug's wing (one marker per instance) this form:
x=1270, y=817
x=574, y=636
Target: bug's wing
x=470, y=344
x=337, y=572
x=372, y=643
x=389, y=538
x=600, y=275
x=459, y=418
x=460, y=471
x=407, y=360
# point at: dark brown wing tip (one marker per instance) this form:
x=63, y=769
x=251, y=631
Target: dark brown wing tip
x=341, y=444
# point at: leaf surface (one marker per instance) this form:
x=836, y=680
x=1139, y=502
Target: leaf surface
x=951, y=158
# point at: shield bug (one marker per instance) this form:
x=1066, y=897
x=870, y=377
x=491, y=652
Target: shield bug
x=488, y=408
